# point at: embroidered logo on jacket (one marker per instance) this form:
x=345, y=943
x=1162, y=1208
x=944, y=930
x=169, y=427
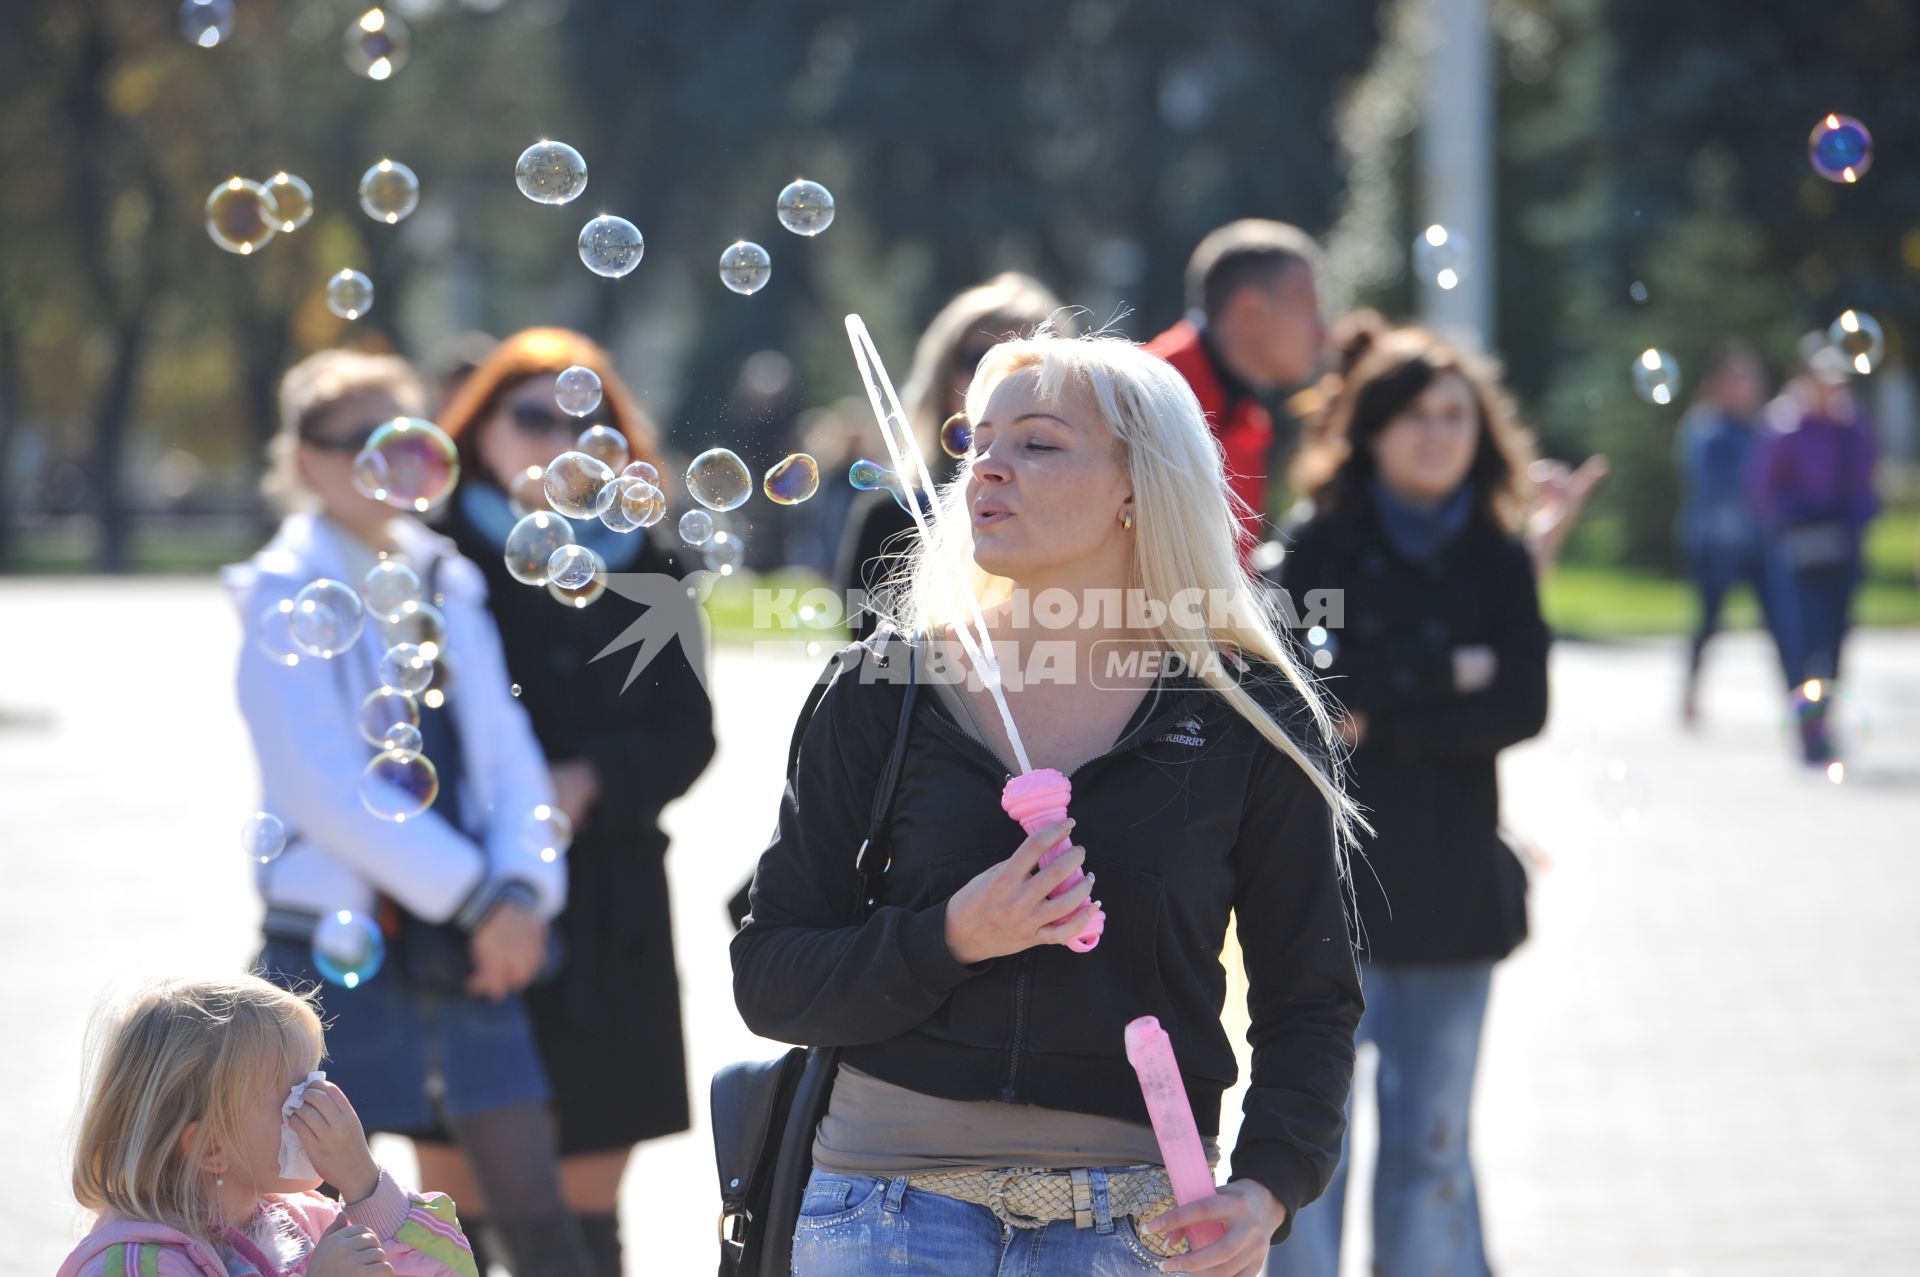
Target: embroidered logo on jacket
x=1185, y=732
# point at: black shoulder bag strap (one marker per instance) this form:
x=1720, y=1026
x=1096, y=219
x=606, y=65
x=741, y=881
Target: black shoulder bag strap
x=765, y=1112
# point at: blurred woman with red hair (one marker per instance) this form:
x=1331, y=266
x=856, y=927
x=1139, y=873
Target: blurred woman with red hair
x=609, y=1025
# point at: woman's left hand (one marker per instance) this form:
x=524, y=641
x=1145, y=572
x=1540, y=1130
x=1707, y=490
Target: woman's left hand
x=330, y=1132
x=1251, y=1216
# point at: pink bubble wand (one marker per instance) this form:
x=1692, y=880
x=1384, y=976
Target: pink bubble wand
x=1035, y=799
x=1150, y=1051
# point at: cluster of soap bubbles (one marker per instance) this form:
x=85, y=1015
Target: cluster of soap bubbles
x=243, y=215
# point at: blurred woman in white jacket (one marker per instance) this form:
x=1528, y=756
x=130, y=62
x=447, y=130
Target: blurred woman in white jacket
x=436, y=1043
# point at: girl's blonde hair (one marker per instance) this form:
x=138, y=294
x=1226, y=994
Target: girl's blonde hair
x=179, y=1052
x=1184, y=539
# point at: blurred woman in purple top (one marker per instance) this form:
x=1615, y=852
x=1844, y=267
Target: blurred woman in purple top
x=1811, y=482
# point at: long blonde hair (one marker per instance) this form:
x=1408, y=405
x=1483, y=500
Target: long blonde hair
x=1184, y=520
x=179, y=1052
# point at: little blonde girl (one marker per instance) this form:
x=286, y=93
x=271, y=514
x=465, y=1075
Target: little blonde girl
x=181, y=1147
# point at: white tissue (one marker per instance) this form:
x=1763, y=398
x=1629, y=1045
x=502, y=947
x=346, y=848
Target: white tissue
x=293, y=1158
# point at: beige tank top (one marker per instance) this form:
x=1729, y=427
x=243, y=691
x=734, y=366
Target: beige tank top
x=873, y=1127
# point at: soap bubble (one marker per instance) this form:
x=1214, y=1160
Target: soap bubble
x=376, y=45
x=724, y=552
x=550, y=172
x=1656, y=376
x=956, y=435
x=414, y=464
x=528, y=491
x=546, y=833
x=577, y=391
x=871, y=476
x=273, y=632
x=745, y=267
x=642, y=470
x=421, y=624
x=241, y=216
x=206, y=22
x=573, y=482
x=381, y=708
x=1323, y=646
x=1440, y=255
x=399, y=783
x=719, y=480
x=646, y=504
x=348, y=949
x=389, y=191
x=604, y=444
x=349, y=294
x=1622, y=792
x=263, y=837
x=531, y=544
x=370, y=474
x=571, y=566
x=792, y=480
x=292, y=200
x=585, y=594
x=406, y=668
x=1859, y=337
x=389, y=586
x=1840, y=149
x=404, y=737
x=611, y=246
x=326, y=618
x=696, y=527
x=805, y=208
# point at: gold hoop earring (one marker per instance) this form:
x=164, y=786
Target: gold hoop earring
x=1126, y=521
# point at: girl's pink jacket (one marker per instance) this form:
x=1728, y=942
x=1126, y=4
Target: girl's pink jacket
x=419, y=1232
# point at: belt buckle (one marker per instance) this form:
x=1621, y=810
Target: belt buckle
x=998, y=1183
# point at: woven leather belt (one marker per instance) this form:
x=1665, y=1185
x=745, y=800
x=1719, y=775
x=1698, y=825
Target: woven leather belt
x=1029, y=1197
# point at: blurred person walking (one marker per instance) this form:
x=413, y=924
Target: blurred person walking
x=437, y=1045
x=1812, y=482
x=610, y=1026
x=1253, y=326
x=1719, y=530
x=1440, y=662
x=958, y=338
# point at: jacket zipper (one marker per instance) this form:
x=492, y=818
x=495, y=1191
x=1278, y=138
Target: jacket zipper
x=1011, y=1092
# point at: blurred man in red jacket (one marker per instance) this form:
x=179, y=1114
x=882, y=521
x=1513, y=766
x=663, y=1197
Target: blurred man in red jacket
x=1253, y=326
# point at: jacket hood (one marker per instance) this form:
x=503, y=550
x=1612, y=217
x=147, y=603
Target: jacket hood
x=113, y=1231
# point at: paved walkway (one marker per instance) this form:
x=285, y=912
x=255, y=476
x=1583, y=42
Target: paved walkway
x=1706, y=1062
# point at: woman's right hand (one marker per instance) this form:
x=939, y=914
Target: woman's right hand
x=1005, y=909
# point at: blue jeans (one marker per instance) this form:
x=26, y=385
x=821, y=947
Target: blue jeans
x=856, y=1226
x=1425, y=1019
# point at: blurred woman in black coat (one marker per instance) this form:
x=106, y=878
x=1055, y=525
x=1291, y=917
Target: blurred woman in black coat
x=1437, y=650
x=609, y=1026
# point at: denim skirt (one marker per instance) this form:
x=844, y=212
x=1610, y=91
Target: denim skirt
x=410, y=1058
